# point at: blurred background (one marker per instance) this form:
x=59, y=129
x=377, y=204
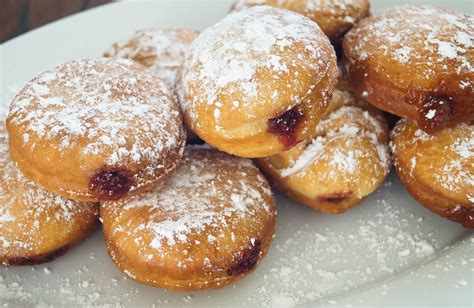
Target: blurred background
x=19, y=16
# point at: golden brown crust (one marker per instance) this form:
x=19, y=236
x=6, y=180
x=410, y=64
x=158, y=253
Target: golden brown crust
x=400, y=65
x=37, y=226
x=208, y=225
x=235, y=82
x=84, y=126
x=335, y=17
x=438, y=169
x=346, y=161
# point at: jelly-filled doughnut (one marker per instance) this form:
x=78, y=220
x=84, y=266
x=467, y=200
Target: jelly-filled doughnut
x=37, y=226
x=257, y=82
x=96, y=129
x=415, y=62
x=437, y=169
x=209, y=224
x=335, y=17
x=161, y=50
x=346, y=161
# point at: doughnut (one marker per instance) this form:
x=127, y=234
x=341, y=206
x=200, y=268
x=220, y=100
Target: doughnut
x=161, y=50
x=37, y=226
x=437, y=169
x=209, y=224
x=346, y=160
x=257, y=82
x=96, y=130
x=415, y=62
x=335, y=17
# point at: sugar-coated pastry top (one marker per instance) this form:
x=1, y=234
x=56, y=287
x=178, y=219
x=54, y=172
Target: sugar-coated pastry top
x=95, y=100
x=93, y=114
x=162, y=50
x=338, y=143
x=29, y=215
x=334, y=17
x=444, y=160
x=419, y=39
x=208, y=191
x=259, y=60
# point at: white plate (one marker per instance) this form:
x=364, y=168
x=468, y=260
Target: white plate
x=388, y=251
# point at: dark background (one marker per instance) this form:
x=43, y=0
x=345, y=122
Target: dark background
x=19, y=16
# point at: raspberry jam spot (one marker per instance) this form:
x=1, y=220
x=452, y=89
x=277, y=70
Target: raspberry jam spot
x=285, y=125
x=247, y=259
x=39, y=259
x=335, y=197
x=435, y=112
x=109, y=185
x=461, y=214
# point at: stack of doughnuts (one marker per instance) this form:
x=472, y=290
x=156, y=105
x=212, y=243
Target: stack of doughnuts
x=106, y=137
x=417, y=63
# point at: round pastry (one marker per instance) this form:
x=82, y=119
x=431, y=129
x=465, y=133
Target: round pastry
x=96, y=130
x=37, y=226
x=257, y=82
x=335, y=17
x=161, y=50
x=415, y=62
x=209, y=224
x=346, y=161
x=437, y=169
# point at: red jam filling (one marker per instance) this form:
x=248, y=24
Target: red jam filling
x=39, y=259
x=108, y=185
x=285, y=125
x=435, y=113
x=335, y=197
x=247, y=259
x=462, y=214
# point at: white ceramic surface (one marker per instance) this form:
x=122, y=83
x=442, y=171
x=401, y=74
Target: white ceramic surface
x=388, y=251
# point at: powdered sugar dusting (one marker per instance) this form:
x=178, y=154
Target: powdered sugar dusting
x=334, y=12
x=431, y=39
x=367, y=127
x=26, y=210
x=162, y=50
x=110, y=109
x=195, y=199
x=229, y=56
x=453, y=170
